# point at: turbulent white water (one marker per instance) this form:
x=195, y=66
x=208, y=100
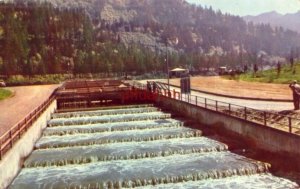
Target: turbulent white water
x=126, y=150
x=258, y=181
x=131, y=173
x=105, y=112
x=116, y=126
x=108, y=119
x=116, y=136
x=135, y=147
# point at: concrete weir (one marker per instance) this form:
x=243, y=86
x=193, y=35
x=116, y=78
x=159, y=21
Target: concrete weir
x=12, y=161
x=140, y=146
x=266, y=138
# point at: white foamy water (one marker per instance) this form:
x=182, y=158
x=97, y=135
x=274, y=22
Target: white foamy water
x=104, y=112
x=116, y=126
x=126, y=150
x=108, y=119
x=116, y=136
x=258, y=181
x=130, y=173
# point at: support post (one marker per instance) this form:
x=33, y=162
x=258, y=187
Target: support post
x=10, y=138
x=290, y=124
x=265, y=118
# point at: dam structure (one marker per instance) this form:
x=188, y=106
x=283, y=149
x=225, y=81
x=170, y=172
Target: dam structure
x=135, y=146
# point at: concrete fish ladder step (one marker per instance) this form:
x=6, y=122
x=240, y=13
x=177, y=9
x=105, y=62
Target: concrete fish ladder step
x=104, y=112
x=141, y=172
x=108, y=119
x=118, y=151
x=259, y=181
x=116, y=126
x=116, y=137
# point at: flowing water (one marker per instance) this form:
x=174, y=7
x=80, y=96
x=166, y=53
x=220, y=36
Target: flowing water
x=135, y=146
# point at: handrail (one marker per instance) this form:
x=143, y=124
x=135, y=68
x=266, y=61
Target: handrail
x=14, y=134
x=232, y=96
x=266, y=118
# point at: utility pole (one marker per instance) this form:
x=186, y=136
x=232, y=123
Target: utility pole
x=173, y=41
x=167, y=61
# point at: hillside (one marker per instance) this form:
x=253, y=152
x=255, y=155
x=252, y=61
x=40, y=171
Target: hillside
x=131, y=36
x=287, y=21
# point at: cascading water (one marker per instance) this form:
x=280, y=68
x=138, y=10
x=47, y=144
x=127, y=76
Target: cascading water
x=257, y=181
x=94, y=128
x=119, y=151
x=108, y=119
x=135, y=147
x=105, y=112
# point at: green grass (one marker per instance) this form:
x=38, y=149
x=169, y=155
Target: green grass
x=286, y=75
x=19, y=80
x=4, y=94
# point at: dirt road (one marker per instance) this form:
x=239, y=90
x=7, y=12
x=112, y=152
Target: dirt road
x=25, y=99
x=219, y=85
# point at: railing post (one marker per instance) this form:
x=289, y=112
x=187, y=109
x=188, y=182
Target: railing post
x=229, y=109
x=290, y=124
x=216, y=105
x=205, y=103
x=196, y=100
x=10, y=138
x=265, y=118
x=245, y=113
x=1, y=150
x=169, y=94
x=19, y=127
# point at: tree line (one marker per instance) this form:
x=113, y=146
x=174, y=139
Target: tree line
x=37, y=38
x=41, y=39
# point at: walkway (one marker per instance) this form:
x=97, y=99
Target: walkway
x=244, y=89
x=26, y=98
x=232, y=88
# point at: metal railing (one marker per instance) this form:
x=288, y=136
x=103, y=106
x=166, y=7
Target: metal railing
x=275, y=120
x=270, y=119
x=8, y=139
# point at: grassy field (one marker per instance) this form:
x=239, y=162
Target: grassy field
x=4, y=94
x=19, y=80
x=286, y=75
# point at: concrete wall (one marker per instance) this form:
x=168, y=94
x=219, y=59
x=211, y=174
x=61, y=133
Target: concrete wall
x=264, y=137
x=12, y=161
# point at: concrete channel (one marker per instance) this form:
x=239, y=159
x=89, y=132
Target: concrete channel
x=131, y=146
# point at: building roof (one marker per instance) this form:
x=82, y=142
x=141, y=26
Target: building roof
x=178, y=70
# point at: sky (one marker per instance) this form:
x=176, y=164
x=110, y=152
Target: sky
x=251, y=7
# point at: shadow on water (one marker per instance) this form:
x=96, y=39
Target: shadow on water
x=282, y=164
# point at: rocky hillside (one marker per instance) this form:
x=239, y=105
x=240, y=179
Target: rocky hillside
x=197, y=29
x=131, y=36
